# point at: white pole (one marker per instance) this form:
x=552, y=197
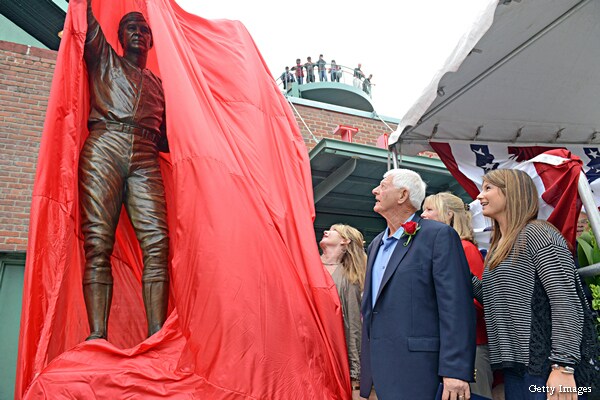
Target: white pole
x=587, y=198
x=395, y=156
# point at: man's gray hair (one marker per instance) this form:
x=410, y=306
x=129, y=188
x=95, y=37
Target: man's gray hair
x=407, y=179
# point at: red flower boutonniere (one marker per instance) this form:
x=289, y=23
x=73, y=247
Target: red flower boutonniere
x=410, y=229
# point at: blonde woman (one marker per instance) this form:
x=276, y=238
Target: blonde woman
x=537, y=318
x=451, y=210
x=345, y=259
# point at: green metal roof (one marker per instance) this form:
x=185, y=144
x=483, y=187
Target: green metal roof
x=344, y=175
x=42, y=19
x=10, y=32
x=334, y=93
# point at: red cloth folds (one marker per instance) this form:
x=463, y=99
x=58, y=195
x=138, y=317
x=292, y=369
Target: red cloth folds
x=254, y=314
x=475, y=261
x=445, y=152
x=561, y=192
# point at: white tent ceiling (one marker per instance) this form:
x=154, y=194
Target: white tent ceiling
x=532, y=77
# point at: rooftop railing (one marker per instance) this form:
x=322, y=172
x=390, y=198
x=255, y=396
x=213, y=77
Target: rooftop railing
x=342, y=75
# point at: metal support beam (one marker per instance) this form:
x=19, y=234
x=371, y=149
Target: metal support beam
x=591, y=270
x=355, y=180
x=333, y=180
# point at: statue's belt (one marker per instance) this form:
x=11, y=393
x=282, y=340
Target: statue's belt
x=126, y=128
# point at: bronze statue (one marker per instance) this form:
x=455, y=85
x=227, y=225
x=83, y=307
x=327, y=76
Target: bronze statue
x=118, y=165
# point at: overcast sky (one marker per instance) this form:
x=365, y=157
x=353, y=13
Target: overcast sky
x=402, y=43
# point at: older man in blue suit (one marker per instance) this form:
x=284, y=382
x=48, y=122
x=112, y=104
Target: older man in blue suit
x=418, y=314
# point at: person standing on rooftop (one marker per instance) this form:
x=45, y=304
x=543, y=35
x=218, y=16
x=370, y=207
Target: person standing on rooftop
x=310, y=70
x=299, y=72
x=358, y=76
x=287, y=78
x=321, y=63
x=335, y=71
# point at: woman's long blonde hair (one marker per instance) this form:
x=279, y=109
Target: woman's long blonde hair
x=521, y=208
x=452, y=211
x=354, y=259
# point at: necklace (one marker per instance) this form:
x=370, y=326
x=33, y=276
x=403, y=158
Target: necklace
x=332, y=263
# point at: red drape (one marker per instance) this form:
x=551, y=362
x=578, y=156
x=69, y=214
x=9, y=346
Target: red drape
x=561, y=192
x=253, y=313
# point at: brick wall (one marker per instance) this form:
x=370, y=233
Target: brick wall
x=322, y=123
x=25, y=78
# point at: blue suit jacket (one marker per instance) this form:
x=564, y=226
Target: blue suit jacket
x=422, y=326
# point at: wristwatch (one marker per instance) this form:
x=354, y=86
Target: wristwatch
x=565, y=369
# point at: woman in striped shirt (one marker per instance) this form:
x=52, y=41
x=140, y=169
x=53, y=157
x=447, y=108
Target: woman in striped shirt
x=533, y=303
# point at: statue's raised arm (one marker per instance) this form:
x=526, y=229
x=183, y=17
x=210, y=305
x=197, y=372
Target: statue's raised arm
x=118, y=166
x=91, y=20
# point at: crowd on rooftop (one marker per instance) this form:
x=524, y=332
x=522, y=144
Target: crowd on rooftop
x=305, y=73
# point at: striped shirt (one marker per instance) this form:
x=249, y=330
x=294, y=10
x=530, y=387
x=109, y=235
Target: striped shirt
x=533, y=313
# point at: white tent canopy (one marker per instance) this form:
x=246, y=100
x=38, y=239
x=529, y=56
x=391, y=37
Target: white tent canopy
x=527, y=72
x=533, y=76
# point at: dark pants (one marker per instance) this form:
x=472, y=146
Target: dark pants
x=527, y=387
x=115, y=169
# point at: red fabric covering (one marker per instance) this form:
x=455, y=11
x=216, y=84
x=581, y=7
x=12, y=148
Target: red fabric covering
x=562, y=193
x=464, y=178
x=254, y=314
x=524, y=153
x=475, y=261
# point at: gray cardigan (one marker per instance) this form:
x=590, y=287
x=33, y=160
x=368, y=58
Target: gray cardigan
x=350, y=299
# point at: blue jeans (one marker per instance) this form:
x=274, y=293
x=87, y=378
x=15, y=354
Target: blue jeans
x=527, y=387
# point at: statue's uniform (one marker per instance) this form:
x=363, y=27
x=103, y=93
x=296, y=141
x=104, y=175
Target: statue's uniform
x=118, y=164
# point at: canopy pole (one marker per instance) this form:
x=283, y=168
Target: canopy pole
x=395, y=155
x=587, y=198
